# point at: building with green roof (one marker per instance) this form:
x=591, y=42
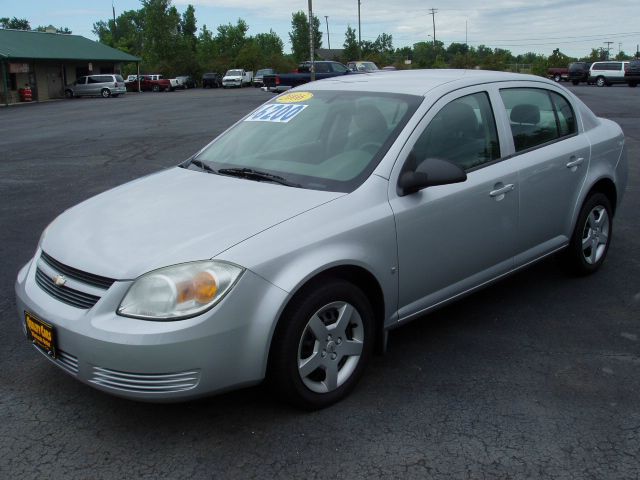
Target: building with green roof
x=46, y=62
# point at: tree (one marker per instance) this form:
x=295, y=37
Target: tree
x=15, y=23
x=351, y=51
x=299, y=35
x=160, y=35
x=188, y=27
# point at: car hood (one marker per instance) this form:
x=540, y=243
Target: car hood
x=175, y=216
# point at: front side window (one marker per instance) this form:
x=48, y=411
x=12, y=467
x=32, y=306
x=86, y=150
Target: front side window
x=537, y=116
x=321, y=140
x=463, y=132
x=339, y=68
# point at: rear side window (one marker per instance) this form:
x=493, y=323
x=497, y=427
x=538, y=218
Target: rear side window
x=339, y=68
x=463, y=132
x=537, y=116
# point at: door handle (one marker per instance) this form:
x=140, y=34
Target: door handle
x=502, y=190
x=575, y=163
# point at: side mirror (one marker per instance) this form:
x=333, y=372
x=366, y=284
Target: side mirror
x=429, y=173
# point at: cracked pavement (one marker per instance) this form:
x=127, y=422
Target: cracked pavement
x=537, y=376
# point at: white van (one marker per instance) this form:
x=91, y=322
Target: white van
x=607, y=73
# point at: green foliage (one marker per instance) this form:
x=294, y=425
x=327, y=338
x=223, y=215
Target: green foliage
x=63, y=30
x=15, y=23
x=170, y=43
x=299, y=35
x=350, y=45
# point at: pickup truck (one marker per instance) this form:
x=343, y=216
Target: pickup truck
x=284, y=81
x=237, y=77
x=558, y=73
x=153, y=83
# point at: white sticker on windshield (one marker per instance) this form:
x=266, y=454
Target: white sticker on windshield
x=278, y=113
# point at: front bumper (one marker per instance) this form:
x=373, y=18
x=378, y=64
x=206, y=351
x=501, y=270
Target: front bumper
x=231, y=83
x=222, y=349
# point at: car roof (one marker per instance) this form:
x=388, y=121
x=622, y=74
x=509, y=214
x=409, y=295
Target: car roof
x=417, y=82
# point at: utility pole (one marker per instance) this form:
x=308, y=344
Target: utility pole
x=326, y=17
x=312, y=68
x=433, y=17
x=359, y=32
x=608, y=44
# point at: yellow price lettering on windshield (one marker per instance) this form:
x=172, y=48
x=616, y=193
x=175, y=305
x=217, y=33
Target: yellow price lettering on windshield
x=294, y=97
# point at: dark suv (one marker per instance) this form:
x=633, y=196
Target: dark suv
x=211, y=80
x=579, y=72
x=632, y=73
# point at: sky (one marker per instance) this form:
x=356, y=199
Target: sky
x=573, y=26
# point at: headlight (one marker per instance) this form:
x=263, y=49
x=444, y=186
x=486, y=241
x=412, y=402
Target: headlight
x=179, y=291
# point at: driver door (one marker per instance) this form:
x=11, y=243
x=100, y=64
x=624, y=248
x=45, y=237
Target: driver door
x=452, y=238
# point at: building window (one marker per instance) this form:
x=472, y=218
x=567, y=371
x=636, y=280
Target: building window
x=13, y=82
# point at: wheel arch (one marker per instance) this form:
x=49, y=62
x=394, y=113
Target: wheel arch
x=608, y=188
x=355, y=274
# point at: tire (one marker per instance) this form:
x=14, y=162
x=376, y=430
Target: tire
x=633, y=84
x=591, y=237
x=155, y=88
x=105, y=92
x=68, y=94
x=601, y=82
x=322, y=344
x=575, y=82
x=557, y=78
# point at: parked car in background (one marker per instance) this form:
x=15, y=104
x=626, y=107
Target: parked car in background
x=579, y=72
x=131, y=78
x=323, y=69
x=558, y=73
x=607, y=73
x=211, y=80
x=632, y=73
x=362, y=66
x=389, y=67
x=104, y=85
x=258, y=78
x=343, y=209
x=186, y=81
x=152, y=83
x=237, y=78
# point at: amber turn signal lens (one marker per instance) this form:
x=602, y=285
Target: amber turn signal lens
x=205, y=287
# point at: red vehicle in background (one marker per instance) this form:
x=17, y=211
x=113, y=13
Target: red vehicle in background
x=150, y=83
x=558, y=73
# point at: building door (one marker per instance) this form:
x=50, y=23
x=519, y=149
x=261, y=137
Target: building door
x=54, y=81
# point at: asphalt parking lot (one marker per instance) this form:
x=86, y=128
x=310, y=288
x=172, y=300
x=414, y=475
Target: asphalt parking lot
x=537, y=376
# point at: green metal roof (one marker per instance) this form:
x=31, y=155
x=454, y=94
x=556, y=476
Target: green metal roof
x=23, y=44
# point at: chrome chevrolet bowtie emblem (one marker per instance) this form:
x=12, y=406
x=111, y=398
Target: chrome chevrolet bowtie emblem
x=59, y=280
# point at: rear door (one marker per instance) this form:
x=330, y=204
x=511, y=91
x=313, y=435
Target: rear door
x=553, y=160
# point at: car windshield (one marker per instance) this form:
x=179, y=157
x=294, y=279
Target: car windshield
x=234, y=73
x=367, y=67
x=322, y=140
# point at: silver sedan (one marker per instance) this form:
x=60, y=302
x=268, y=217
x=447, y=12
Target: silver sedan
x=289, y=246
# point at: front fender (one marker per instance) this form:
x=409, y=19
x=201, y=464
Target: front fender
x=357, y=229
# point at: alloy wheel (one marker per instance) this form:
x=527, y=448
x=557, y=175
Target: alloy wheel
x=595, y=235
x=330, y=347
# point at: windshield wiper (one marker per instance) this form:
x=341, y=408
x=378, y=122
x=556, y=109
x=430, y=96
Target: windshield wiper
x=202, y=165
x=251, y=174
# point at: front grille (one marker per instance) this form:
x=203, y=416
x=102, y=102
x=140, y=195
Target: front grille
x=79, y=275
x=67, y=295
x=145, y=382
